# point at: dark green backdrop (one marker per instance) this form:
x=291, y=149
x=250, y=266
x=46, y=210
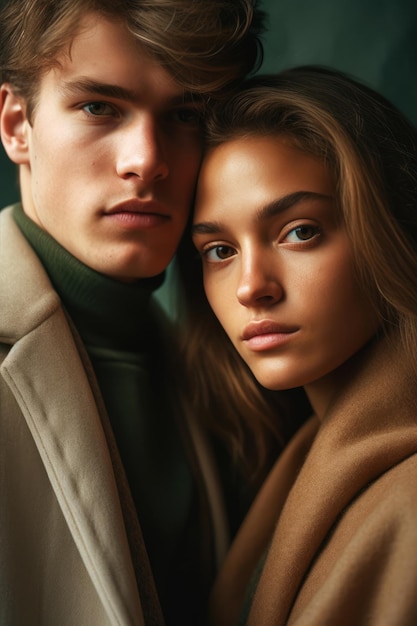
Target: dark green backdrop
x=376, y=40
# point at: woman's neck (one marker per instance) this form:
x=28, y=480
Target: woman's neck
x=322, y=392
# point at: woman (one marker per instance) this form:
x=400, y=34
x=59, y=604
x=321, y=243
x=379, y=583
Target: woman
x=306, y=223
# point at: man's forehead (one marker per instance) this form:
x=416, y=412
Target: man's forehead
x=104, y=57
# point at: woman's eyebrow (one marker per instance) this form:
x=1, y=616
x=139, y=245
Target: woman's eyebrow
x=286, y=202
x=268, y=210
x=206, y=228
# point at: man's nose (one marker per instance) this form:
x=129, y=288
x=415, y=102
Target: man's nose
x=142, y=153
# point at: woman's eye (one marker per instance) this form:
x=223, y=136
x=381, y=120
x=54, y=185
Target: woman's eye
x=301, y=233
x=98, y=109
x=217, y=254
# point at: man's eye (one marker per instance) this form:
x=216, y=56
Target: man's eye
x=98, y=109
x=189, y=116
x=217, y=254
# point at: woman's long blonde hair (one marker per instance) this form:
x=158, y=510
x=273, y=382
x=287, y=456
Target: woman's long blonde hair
x=371, y=149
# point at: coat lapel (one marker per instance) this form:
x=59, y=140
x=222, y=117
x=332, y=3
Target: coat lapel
x=44, y=372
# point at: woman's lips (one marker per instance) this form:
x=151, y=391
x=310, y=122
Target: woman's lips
x=266, y=334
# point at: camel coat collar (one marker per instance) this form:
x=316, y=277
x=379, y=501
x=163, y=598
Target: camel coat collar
x=370, y=427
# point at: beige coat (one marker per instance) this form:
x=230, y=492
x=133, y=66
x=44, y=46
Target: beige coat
x=64, y=551
x=341, y=509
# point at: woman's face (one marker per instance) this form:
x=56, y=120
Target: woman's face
x=278, y=265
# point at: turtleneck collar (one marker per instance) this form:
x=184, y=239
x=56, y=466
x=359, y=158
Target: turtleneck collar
x=106, y=312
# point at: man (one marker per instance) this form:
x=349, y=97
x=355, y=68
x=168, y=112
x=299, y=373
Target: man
x=110, y=512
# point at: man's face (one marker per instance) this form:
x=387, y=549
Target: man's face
x=112, y=155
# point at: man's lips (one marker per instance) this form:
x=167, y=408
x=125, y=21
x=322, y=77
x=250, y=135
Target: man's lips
x=137, y=215
x=135, y=205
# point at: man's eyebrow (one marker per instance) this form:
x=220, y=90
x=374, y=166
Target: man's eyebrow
x=86, y=85
x=269, y=210
x=108, y=90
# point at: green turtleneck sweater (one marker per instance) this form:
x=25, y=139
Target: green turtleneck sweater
x=117, y=324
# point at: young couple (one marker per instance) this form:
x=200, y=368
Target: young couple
x=112, y=510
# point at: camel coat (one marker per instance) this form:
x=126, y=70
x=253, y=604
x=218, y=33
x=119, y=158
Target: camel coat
x=337, y=517
x=65, y=553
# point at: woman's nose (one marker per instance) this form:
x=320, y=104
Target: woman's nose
x=259, y=284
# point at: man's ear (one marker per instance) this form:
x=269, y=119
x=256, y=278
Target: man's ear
x=14, y=125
